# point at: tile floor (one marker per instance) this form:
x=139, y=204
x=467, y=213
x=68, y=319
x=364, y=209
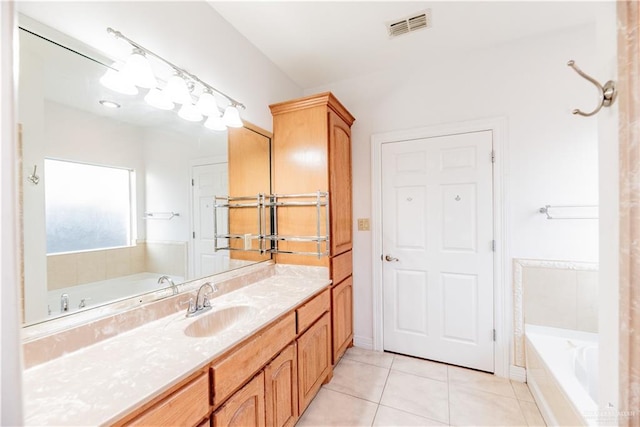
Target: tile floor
x=382, y=389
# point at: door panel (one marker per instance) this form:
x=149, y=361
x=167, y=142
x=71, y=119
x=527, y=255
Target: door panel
x=437, y=226
x=209, y=181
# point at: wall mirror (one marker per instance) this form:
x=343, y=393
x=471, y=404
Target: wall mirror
x=116, y=194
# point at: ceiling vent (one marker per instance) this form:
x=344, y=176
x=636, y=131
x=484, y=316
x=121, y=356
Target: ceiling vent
x=415, y=22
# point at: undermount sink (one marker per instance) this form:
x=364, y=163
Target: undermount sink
x=216, y=321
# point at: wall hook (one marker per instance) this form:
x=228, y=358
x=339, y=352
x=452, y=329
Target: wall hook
x=34, y=178
x=607, y=92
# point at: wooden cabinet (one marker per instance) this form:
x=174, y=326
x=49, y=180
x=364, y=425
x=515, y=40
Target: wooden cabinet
x=245, y=408
x=342, y=317
x=311, y=151
x=314, y=360
x=281, y=389
x=186, y=406
x=232, y=371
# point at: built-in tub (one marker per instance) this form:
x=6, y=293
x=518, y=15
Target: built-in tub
x=562, y=373
x=97, y=293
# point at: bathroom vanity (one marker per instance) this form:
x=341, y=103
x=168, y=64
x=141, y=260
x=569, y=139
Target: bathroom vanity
x=262, y=358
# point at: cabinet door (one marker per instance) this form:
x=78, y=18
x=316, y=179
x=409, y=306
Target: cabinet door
x=342, y=317
x=340, y=184
x=314, y=360
x=245, y=408
x=186, y=407
x=281, y=389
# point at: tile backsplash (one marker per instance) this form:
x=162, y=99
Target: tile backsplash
x=561, y=298
x=79, y=268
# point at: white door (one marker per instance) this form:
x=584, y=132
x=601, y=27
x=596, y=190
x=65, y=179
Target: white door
x=209, y=181
x=437, y=225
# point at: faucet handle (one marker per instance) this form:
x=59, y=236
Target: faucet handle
x=192, y=306
x=206, y=302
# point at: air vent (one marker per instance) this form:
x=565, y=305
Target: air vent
x=412, y=23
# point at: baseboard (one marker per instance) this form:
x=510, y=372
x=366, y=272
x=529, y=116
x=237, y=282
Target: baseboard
x=517, y=373
x=363, y=342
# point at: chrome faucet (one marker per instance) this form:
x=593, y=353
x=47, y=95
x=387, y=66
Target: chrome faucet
x=163, y=279
x=64, y=303
x=202, y=302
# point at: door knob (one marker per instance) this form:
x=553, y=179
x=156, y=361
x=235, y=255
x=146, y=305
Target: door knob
x=391, y=259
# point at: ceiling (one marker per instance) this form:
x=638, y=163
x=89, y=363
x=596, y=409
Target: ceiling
x=320, y=42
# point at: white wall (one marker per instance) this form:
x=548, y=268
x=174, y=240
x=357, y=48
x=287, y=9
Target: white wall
x=168, y=158
x=552, y=156
x=11, y=356
x=190, y=34
x=609, y=279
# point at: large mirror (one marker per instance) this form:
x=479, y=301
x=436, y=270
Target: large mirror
x=117, y=196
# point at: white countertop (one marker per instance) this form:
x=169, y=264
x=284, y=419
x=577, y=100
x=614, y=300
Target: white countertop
x=101, y=383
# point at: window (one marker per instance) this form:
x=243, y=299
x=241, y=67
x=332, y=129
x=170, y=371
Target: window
x=87, y=206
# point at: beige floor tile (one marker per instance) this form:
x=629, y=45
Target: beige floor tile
x=480, y=381
x=359, y=380
x=330, y=408
x=470, y=407
x=417, y=395
x=532, y=414
x=522, y=391
x=371, y=357
x=422, y=368
x=394, y=417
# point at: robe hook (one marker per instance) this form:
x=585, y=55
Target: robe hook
x=607, y=93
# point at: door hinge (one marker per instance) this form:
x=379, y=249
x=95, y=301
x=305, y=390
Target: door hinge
x=194, y=234
x=494, y=335
x=193, y=182
x=493, y=156
x=493, y=245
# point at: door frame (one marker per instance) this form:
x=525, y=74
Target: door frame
x=203, y=161
x=502, y=308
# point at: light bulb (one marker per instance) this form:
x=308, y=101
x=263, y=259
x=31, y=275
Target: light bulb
x=177, y=90
x=231, y=117
x=158, y=99
x=190, y=112
x=113, y=80
x=214, y=122
x=207, y=104
x=138, y=70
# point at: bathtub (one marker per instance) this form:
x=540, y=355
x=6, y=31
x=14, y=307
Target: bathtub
x=562, y=373
x=98, y=293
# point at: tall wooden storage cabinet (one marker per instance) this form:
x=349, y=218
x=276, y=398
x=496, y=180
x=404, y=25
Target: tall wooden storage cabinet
x=310, y=152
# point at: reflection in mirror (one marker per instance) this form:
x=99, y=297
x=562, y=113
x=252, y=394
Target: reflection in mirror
x=125, y=191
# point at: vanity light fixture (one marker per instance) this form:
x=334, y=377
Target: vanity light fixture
x=138, y=71
x=231, y=117
x=190, y=113
x=113, y=80
x=207, y=104
x=214, y=122
x=179, y=89
x=158, y=99
x=109, y=104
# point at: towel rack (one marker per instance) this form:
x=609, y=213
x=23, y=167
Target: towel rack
x=607, y=93
x=160, y=215
x=547, y=208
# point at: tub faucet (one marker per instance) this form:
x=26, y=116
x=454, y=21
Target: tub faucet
x=163, y=279
x=64, y=303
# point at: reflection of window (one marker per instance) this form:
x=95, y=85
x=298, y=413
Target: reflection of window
x=87, y=206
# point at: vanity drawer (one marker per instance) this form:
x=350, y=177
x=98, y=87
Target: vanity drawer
x=234, y=370
x=341, y=267
x=309, y=312
x=187, y=406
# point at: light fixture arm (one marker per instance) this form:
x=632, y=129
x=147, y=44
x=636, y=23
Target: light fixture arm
x=119, y=35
